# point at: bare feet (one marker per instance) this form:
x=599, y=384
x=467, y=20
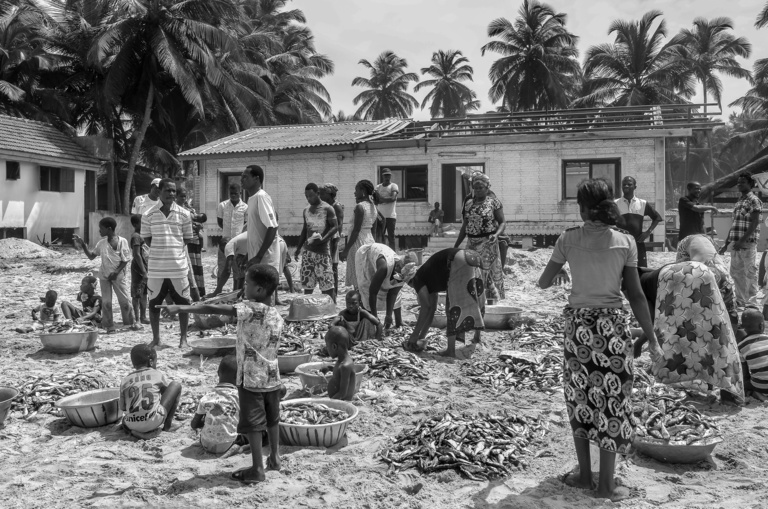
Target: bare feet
x=274, y=463
x=619, y=493
x=183, y=342
x=447, y=353
x=145, y=321
x=574, y=480
x=249, y=475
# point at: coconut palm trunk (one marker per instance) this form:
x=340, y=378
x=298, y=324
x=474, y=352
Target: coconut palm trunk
x=136, y=150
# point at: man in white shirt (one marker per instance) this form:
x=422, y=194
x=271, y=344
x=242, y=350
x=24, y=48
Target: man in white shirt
x=231, y=215
x=633, y=211
x=387, y=200
x=262, y=220
x=145, y=202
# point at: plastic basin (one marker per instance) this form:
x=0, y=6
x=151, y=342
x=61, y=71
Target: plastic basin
x=6, y=397
x=213, y=346
x=319, y=435
x=289, y=363
x=497, y=316
x=440, y=320
x=662, y=450
x=310, y=380
x=91, y=409
x=69, y=342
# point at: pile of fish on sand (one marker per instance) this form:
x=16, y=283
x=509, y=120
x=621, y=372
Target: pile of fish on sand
x=39, y=395
x=518, y=370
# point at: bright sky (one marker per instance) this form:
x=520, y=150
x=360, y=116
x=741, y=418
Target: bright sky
x=350, y=30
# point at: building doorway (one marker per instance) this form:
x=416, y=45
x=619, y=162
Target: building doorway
x=455, y=188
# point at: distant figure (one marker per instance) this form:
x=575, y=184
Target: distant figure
x=387, y=201
x=691, y=212
x=262, y=220
x=342, y=383
x=633, y=210
x=319, y=227
x=231, y=217
x=328, y=193
x=140, y=253
x=361, y=233
x=742, y=239
x=144, y=202
x=436, y=218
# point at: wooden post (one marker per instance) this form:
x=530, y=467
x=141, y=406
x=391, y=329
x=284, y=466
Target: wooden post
x=110, y=165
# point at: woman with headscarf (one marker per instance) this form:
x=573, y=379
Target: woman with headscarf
x=381, y=274
x=361, y=233
x=483, y=222
x=456, y=272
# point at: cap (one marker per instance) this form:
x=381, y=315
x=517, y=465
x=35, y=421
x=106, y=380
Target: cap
x=386, y=171
x=156, y=182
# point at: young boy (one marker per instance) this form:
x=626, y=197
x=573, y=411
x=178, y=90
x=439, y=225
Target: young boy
x=88, y=299
x=147, y=397
x=48, y=311
x=115, y=254
x=753, y=348
x=218, y=411
x=140, y=252
x=342, y=383
x=259, y=327
x=359, y=323
x=436, y=218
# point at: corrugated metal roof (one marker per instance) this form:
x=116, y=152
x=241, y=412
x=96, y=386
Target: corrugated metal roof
x=38, y=138
x=260, y=139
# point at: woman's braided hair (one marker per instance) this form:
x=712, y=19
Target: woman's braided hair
x=596, y=196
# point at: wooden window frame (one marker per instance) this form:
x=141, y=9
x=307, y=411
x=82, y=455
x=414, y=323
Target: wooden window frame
x=401, y=196
x=63, y=182
x=592, y=161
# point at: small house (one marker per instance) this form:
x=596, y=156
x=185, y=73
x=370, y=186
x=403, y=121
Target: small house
x=535, y=161
x=48, y=181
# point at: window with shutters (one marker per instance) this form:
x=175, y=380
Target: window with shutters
x=58, y=180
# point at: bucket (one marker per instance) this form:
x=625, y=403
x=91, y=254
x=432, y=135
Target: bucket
x=6, y=396
x=418, y=252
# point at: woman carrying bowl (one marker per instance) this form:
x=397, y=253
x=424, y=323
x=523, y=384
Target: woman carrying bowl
x=381, y=274
x=361, y=234
x=457, y=272
x=483, y=222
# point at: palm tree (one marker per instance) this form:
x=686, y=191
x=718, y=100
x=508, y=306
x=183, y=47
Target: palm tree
x=709, y=49
x=449, y=96
x=340, y=116
x=388, y=89
x=762, y=18
x=638, y=68
x=538, y=69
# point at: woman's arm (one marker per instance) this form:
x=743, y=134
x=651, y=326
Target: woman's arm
x=554, y=273
x=376, y=281
x=391, y=299
x=139, y=260
x=498, y=215
x=462, y=234
x=359, y=215
x=339, y=217
x=639, y=306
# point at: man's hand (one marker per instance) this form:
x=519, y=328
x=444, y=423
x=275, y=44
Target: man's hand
x=77, y=240
x=254, y=261
x=739, y=244
x=714, y=210
x=112, y=276
x=644, y=236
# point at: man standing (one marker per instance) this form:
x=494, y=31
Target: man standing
x=743, y=237
x=633, y=210
x=167, y=228
x=262, y=220
x=436, y=218
x=328, y=195
x=691, y=212
x=231, y=215
x=319, y=227
x=387, y=200
x=145, y=202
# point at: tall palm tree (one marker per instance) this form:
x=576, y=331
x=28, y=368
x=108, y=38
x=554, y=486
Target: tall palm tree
x=449, y=96
x=638, y=68
x=387, y=95
x=538, y=67
x=762, y=18
x=709, y=49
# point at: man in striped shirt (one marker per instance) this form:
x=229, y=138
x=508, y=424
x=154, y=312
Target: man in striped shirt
x=753, y=348
x=167, y=228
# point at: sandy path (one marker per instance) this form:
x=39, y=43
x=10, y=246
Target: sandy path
x=48, y=463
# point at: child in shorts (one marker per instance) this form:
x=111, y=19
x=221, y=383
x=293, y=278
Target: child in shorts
x=140, y=252
x=48, y=311
x=147, y=397
x=342, y=383
x=359, y=323
x=753, y=349
x=218, y=411
x=259, y=327
x=89, y=301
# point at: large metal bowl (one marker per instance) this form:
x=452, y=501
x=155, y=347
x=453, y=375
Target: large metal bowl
x=289, y=363
x=91, y=409
x=69, y=342
x=311, y=380
x=213, y=346
x=440, y=320
x=662, y=450
x=497, y=316
x=317, y=435
x=6, y=397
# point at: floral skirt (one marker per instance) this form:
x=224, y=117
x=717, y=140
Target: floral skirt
x=694, y=330
x=465, y=298
x=598, y=376
x=491, y=263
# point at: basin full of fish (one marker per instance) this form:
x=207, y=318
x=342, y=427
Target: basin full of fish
x=40, y=394
x=291, y=346
x=310, y=414
x=387, y=359
x=305, y=332
x=480, y=447
x=67, y=326
x=518, y=371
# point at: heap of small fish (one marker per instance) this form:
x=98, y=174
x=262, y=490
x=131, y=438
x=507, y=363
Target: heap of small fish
x=660, y=412
x=40, y=394
x=228, y=329
x=291, y=346
x=306, y=332
x=544, y=334
x=387, y=359
x=518, y=372
x=310, y=413
x=480, y=447
x=67, y=326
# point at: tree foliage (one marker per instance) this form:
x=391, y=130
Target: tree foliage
x=449, y=95
x=387, y=88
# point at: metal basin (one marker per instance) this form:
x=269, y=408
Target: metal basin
x=213, y=346
x=69, y=342
x=317, y=435
x=662, y=450
x=6, y=397
x=497, y=316
x=311, y=380
x=91, y=409
x=289, y=363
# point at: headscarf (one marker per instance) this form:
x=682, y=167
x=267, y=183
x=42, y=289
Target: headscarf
x=479, y=176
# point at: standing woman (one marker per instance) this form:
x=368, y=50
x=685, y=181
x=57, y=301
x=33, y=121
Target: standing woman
x=328, y=195
x=598, y=371
x=194, y=248
x=483, y=222
x=361, y=234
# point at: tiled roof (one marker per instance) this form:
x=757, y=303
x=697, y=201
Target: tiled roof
x=260, y=139
x=41, y=139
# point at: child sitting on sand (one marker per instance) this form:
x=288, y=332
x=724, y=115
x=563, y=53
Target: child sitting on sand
x=342, y=383
x=359, y=323
x=48, y=311
x=147, y=397
x=115, y=253
x=259, y=327
x=88, y=299
x=218, y=411
x=753, y=348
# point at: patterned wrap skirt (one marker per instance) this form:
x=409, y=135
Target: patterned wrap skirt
x=491, y=264
x=196, y=259
x=465, y=298
x=694, y=330
x=598, y=376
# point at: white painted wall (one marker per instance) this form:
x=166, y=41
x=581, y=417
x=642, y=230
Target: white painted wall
x=23, y=205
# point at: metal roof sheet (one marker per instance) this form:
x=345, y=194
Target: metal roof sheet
x=38, y=138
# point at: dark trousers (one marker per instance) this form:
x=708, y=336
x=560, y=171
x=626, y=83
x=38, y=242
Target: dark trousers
x=642, y=260
x=389, y=231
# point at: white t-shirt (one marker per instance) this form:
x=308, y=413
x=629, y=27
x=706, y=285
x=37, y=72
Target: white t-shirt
x=142, y=204
x=112, y=258
x=238, y=245
x=140, y=399
x=261, y=216
x=222, y=414
x=388, y=209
